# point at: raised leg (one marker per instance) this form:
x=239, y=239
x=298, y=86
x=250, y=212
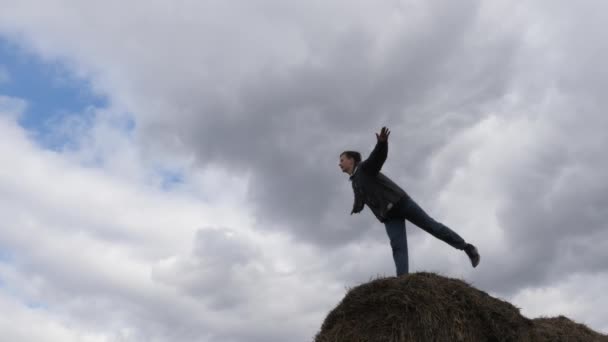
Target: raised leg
x=415, y=214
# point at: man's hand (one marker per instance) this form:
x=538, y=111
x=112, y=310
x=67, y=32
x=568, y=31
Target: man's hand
x=383, y=136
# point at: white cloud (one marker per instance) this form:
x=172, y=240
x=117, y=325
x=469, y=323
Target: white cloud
x=490, y=129
x=11, y=107
x=18, y=323
x=107, y=256
x=581, y=295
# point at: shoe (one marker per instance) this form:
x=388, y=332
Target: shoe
x=472, y=253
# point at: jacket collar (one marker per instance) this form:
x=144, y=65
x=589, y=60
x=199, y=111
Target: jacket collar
x=354, y=172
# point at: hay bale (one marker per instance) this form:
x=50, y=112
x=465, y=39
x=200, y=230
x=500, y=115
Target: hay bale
x=425, y=307
x=562, y=329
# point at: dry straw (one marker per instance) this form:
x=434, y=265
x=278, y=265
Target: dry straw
x=428, y=307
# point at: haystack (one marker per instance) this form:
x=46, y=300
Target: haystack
x=427, y=307
x=563, y=329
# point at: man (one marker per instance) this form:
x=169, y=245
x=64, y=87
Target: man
x=392, y=205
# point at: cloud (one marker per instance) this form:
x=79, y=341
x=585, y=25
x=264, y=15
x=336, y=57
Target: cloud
x=566, y=296
x=536, y=204
x=282, y=113
x=497, y=131
x=99, y=254
x=83, y=240
x=238, y=276
x=17, y=325
x=11, y=107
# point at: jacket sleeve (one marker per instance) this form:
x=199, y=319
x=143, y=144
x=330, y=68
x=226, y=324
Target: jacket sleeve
x=373, y=164
x=358, y=203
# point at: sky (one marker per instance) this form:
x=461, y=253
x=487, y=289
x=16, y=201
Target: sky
x=170, y=170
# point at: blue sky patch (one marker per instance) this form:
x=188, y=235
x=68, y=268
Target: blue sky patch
x=52, y=93
x=170, y=178
x=5, y=255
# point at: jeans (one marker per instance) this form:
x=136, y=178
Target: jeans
x=408, y=209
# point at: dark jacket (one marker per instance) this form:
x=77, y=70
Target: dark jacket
x=372, y=188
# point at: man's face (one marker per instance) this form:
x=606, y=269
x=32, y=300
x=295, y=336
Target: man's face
x=346, y=164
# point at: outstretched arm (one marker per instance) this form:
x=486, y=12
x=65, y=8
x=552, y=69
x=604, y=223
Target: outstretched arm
x=373, y=164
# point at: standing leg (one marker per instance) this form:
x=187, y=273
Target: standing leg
x=395, y=229
x=419, y=217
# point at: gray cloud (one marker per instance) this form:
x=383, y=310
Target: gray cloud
x=286, y=125
x=257, y=109
x=211, y=272
x=555, y=192
x=277, y=97
x=555, y=200
x=235, y=281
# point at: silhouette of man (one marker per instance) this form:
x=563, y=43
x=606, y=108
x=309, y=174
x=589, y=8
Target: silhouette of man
x=392, y=205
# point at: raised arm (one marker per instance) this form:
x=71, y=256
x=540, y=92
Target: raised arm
x=373, y=164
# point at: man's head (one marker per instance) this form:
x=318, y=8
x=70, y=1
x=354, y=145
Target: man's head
x=349, y=160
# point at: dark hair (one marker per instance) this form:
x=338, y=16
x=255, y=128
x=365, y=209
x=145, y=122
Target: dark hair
x=352, y=155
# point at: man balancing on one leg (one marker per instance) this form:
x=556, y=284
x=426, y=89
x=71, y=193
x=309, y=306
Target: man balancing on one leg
x=392, y=205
